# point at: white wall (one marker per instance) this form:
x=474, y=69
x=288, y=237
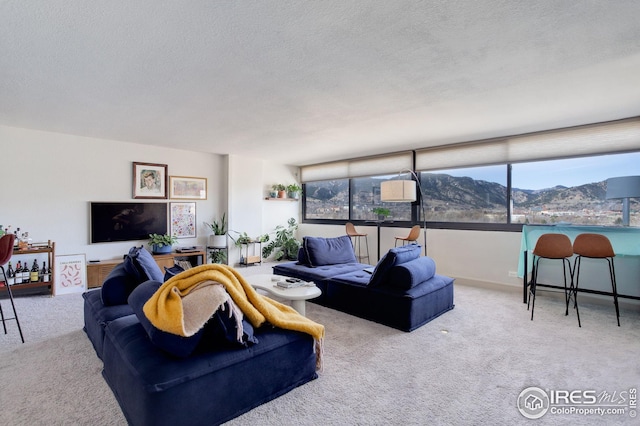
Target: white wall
x=50, y=178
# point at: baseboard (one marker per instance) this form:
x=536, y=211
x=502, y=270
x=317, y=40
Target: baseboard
x=586, y=298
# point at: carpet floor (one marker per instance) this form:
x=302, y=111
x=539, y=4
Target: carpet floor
x=466, y=367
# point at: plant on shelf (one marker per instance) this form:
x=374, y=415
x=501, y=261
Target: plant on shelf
x=382, y=212
x=161, y=243
x=219, y=229
x=282, y=190
x=218, y=256
x=293, y=190
x=284, y=245
x=242, y=238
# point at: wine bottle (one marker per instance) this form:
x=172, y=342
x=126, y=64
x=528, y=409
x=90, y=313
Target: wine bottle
x=33, y=275
x=18, y=273
x=42, y=273
x=48, y=276
x=11, y=275
x=25, y=273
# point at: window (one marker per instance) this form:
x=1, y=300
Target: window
x=327, y=199
x=552, y=176
x=366, y=197
x=477, y=194
x=572, y=190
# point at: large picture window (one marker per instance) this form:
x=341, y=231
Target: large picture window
x=327, y=199
x=572, y=190
x=473, y=195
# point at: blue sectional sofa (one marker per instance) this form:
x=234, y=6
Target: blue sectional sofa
x=207, y=379
x=402, y=291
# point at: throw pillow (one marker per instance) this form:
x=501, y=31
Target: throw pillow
x=395, y=256
x=117, y=286
x=140, y=262
x=329, y=251
x=172, y=343
x=302, y=256
x=412, y=273
x=170, y=272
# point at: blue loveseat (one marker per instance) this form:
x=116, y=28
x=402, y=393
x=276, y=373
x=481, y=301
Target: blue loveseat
x=402, y=291
x=207, y=379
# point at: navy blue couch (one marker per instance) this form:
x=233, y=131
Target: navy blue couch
x=402, y=291
x=207, y=379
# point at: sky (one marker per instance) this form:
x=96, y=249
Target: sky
x=569, y=172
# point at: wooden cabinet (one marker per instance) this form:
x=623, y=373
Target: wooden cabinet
x=97, y=272
x=40, y=252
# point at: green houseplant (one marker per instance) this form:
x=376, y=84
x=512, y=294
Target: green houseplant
x=218, y=256
x=382, y=212
x=282, y=190
x=284, y=245
x=293, y=190
x=161, y=243
x=219, y=229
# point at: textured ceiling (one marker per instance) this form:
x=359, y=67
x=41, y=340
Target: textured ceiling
x=308, y=81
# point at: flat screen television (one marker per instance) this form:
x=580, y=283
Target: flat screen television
x=126, y=221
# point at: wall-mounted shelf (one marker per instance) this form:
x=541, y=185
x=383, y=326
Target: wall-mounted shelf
x=281, y=199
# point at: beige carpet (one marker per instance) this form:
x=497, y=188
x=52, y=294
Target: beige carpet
x=466, y=367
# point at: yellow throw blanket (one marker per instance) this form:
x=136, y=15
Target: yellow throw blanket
x=165, y=309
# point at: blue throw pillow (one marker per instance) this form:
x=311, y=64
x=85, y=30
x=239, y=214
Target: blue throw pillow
x=395, y=256
x=170, y=272
x=219, y=332
x=302, y=256
x=412, y=273
x=140, y=262
x=329, y=251
x=179, y=346
x=117, y=286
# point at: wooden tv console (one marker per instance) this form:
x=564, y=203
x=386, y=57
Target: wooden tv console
x=97, y=272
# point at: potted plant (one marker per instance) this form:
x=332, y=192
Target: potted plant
x=218, y=256
x=284, y=245
x=242, y=238
x=274, y=191
x=161, y=243
x=293, y=190
x=382, y=212
x=219, y=229
x=282, y=190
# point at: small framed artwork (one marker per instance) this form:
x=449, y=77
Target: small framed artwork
x=188, y=188
x=183, y=220
x=70, y=274
x=149, y=180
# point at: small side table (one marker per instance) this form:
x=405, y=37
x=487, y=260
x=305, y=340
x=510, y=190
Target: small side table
x=296, y=295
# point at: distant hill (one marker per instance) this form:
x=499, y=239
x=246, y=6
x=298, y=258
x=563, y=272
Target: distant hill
x=464, y=193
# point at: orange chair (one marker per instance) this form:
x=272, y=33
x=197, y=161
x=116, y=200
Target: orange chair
x=414, y=233
x=356, y=242
x=595, y=246
x=552, y=246
x=6, y=251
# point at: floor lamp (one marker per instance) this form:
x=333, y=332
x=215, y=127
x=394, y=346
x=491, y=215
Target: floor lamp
x=624, y=187
x=404, y=191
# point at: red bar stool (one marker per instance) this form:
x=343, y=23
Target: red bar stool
x=557, y=247
x=595, y=246
x=6, y=251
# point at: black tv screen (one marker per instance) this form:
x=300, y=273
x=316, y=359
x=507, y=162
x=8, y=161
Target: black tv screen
x=126, y=221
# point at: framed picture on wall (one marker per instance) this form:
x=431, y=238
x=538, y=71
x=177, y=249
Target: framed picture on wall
x=183, y=220
x=149, y=180
x=188, y=188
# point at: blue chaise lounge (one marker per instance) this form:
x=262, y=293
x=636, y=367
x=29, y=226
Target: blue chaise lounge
x=402, y=291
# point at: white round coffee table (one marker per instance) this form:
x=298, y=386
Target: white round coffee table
x=296, y=295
